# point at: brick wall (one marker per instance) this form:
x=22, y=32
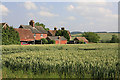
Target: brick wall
x=61, y=42
x=38, y=36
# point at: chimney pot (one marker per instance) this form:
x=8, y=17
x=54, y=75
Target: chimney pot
x=32, y=23
x=55, y=28
x=62, y=28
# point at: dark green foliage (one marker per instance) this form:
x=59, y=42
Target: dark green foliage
x=63, y=33
x=44, y=41
x=51, y=42
x=10, y=36
x=42, y=25
x=91, y=36
x=105, y=41
x=114, y=39
x=81, y=42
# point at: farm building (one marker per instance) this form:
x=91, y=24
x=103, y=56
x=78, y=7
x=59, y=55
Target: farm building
x=53, y=32
x=38, y=31
x=80, y=39
x=26, y=36
x=58, y=39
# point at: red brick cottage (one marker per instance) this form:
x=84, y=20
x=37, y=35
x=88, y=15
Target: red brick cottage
x=58, y=39
x=38, y=31
x=26, y=36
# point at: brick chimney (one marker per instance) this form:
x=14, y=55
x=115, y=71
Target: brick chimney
x=32, y=23
x=55, y=28
x=62, y=28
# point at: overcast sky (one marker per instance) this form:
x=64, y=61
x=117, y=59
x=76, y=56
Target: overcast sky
x=74, y=16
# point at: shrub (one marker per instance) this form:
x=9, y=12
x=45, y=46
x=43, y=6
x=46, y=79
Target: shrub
x=81, y=42
x=114, y=39
x=10, y=36
x=51, y=42
x=44, y=41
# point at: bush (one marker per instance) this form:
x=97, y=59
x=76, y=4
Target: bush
x=51, y=42
x=10, y=36
x=91, y=36
x=81, y=42
x=114, y=39
x=44, y=41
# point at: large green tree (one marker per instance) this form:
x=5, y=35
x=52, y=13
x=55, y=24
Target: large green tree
x=63, y=33
x=91, y=36
x=114, y=39
x=42, y=25
x=10, y=36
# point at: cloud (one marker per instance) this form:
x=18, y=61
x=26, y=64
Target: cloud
x=44, y=8
x=30, y=5
x=5, y=10
x=70, y=7
x=47, y=14
x=99, y=13
x=71, y=18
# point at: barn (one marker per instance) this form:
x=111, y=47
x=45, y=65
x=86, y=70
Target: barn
x=82, y=39
x=58, y=39
x=26, y=36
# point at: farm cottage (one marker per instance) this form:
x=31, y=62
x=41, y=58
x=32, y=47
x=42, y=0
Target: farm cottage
x=26, y=36
x=31, y=34
x=58, y=39
x=80, y=39
x=37, y=31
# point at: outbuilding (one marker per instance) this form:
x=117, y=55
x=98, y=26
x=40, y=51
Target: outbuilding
x=80, y=39
x=58, y=39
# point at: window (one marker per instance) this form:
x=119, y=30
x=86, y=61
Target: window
x=41, y=35
x=34, y=35
x=24, y=43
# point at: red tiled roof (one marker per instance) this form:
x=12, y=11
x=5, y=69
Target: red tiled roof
x=52, y=32
x=82, y=38
x=25, y=34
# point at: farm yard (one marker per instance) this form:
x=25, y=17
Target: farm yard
x=97, y=60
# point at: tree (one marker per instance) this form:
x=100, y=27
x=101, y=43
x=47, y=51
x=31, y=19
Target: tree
x=51, y=42
x=44, y=41
x=63, y=33
x=91, y=36
x=114, y=39
x=10, y=36
x=42, y=25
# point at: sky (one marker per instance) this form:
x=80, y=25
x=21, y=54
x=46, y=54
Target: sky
x=74, y=16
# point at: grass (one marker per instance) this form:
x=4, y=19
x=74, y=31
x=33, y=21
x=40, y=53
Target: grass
x=100, y=55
